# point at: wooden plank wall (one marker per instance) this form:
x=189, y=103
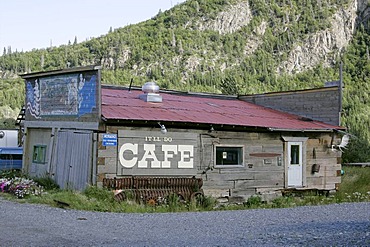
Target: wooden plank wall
x=109, y=165
x=264, y=165
x=261, y=171
x=36, y=136
x=328, y=177
x=318, y=104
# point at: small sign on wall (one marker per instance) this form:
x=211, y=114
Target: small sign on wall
x=109, y=139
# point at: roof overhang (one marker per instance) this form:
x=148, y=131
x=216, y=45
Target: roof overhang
x=60, y=71
x=301, y=130
x=207, y=126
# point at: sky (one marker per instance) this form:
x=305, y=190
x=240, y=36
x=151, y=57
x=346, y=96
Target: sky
x=35, y=24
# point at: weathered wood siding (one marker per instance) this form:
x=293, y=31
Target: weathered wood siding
x=72, y=159
x=318, y=104
x=36, y=137
x=157, y=154
x=145, y=154
x=69, y=156
x=264, y=165
x=262, y=169
x=319, y=152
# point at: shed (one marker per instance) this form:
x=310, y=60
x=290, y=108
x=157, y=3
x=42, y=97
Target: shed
x=80, y=132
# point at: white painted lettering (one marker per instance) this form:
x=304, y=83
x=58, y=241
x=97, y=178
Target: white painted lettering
x=186, y=152
x=167, y=155
x=152, y=139
x=149, y=150
x=167, y=139
x=130, y=156
x=128, y=147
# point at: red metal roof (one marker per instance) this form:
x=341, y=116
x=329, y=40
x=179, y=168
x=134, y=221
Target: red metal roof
x=122, y=104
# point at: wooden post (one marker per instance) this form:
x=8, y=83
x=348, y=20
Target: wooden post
x=340, y=88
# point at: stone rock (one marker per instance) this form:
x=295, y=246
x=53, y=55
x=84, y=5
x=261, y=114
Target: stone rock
x=229, y=21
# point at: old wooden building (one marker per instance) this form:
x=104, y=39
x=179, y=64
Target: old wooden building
x=80, y=132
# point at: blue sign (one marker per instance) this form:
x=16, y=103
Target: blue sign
x=109, y=140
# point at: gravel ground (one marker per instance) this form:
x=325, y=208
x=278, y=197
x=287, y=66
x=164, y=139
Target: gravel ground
x=345, y=224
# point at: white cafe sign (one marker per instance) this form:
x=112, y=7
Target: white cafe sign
x=156, y=152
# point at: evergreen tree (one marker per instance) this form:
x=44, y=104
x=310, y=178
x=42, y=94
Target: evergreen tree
x=195, y=47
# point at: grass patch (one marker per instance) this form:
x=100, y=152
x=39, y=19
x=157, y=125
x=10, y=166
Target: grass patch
x=355, y=179
x=47, y=183
x=355, y=187
x=102, y=200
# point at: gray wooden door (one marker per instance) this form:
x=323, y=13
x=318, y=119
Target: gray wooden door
x=73, y=156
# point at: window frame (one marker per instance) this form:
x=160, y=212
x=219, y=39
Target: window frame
x=298, y=150
x=36, y=150
x=242, y=159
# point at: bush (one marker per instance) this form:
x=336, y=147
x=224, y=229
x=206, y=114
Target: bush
x=254, y=201
x=102, y=194
x=205, y=202
x=47, y=183
x=174, y=202
x=13, y=173
x=283, y=202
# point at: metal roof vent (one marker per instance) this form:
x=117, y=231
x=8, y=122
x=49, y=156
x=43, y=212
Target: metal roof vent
x=150, y=90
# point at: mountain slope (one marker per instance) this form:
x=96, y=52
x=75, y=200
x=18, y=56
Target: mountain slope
x=228, y=46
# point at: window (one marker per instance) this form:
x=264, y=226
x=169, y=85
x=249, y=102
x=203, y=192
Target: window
x=229, y=156
x=39, y=154
x=10, y=157
x=294, y=154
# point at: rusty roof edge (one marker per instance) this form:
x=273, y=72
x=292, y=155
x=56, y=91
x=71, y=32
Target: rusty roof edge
x=291, y=91
x=302, y=130
x=174, y=92
x=218, y=126
x=119, y=87
x=59, y=71
x=213, y=95
x=180, y=124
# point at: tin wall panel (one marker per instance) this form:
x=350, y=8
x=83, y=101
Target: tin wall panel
x=73, y=159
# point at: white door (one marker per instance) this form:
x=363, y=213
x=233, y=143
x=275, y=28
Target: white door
x=295, y=164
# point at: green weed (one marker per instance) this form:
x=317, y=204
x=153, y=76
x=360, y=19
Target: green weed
x=13, y=173
x=46, y=182
x=254, y=202
x=355, y=187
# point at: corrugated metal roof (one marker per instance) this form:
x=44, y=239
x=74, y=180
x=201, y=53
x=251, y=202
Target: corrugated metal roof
x=122, y=104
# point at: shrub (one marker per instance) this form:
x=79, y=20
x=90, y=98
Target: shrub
x=173, y=201
x=205, y=202
x=101, y=194
x=254, y=201
x=13, y=173
x=46, y=182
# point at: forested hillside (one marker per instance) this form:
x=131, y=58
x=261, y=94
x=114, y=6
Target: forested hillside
x=226, y=46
